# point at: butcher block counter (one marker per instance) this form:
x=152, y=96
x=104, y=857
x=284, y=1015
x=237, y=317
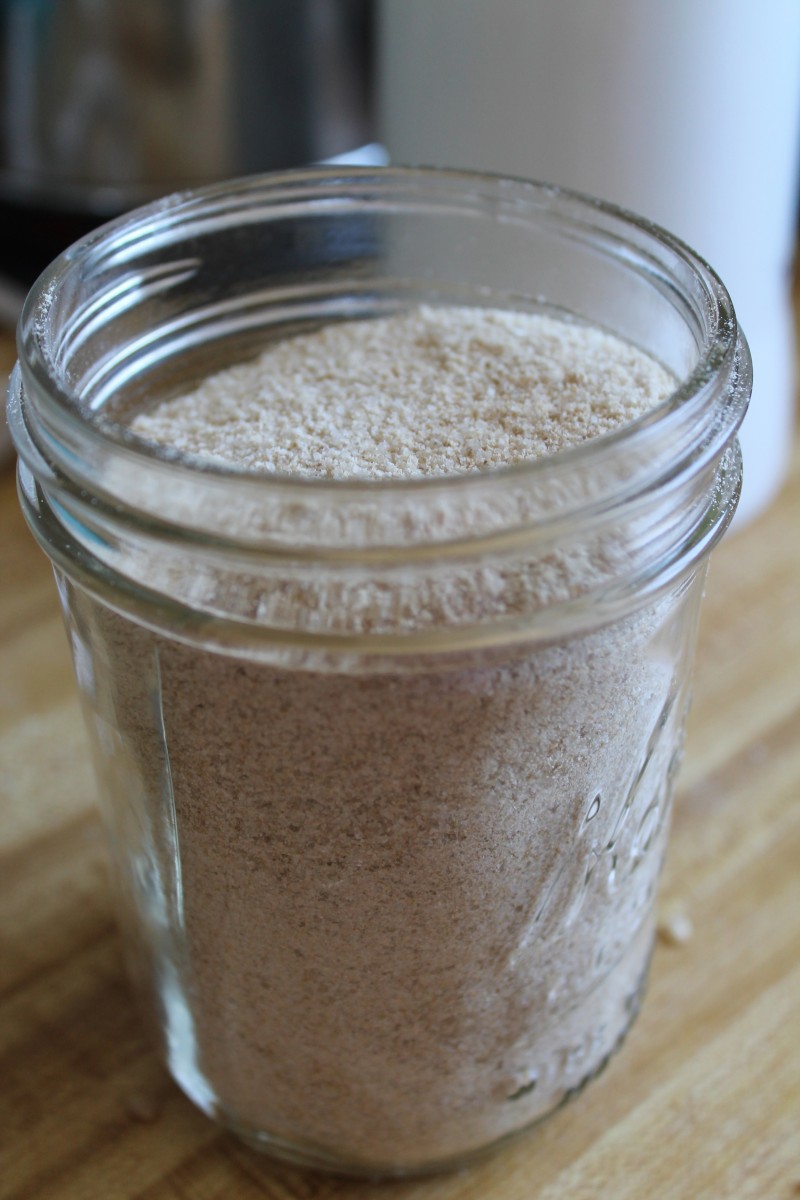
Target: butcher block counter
x=703, y=1100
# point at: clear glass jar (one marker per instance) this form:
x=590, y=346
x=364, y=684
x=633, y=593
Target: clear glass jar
x=385, y=766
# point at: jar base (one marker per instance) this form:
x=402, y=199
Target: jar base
x=317, y=1158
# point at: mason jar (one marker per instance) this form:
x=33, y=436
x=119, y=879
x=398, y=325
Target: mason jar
x=385, y=765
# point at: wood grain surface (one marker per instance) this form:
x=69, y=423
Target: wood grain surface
x=704, y=1099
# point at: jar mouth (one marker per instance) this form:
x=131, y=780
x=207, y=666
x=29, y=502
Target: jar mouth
x=245, y=201
x=153, y=289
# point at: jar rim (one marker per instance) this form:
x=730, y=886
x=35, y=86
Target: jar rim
x=326, y=186
x=661, y=489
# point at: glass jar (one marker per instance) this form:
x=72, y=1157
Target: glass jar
x=385, y=766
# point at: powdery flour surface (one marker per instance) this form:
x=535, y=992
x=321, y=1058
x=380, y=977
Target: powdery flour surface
x=429, y=392
x=417, y=904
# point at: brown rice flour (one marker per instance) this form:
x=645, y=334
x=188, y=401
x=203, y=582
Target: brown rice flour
x=415, y=905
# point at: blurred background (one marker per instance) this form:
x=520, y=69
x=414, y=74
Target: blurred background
x=687, y=113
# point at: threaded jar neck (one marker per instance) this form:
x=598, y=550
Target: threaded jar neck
x=177, y=289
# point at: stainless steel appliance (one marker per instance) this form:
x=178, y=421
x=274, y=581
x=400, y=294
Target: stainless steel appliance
x=105, y=104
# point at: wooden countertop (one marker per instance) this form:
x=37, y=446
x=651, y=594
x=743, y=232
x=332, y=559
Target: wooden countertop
x=703, y=1101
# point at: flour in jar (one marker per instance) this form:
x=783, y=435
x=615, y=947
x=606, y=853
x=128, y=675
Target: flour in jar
x=416, y=900
x=430, y=392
